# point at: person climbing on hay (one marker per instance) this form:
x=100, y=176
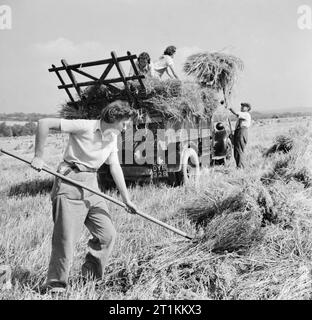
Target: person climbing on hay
x=91, y=143
x=165, y=63
x=143, y=65
x=241, y=133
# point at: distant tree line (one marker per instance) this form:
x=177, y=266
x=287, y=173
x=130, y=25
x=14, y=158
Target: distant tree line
x=274, y=115
x=34, y=117
x=17, y=130
x=28, y=117
x=255, y=115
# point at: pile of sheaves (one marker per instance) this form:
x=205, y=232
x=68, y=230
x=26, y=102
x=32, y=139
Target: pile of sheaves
x=208, y=75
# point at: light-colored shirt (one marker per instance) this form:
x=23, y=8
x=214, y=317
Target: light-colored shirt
x=88, y=145
x=244, y=120
x=161, y=65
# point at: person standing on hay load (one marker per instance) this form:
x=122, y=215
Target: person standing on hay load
x=165, y=63
x=91, y=143
x=144, y=65
x=241, y=133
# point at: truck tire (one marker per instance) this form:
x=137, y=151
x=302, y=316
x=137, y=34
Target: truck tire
x=190, y=170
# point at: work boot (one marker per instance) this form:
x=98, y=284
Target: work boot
x=53, y=287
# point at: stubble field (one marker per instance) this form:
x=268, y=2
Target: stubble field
x=252, y=227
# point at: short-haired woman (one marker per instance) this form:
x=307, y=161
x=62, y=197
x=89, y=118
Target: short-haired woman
x=90, y=144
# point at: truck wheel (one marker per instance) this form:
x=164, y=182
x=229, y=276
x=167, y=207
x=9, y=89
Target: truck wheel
x=190, y=168
x=174, y=179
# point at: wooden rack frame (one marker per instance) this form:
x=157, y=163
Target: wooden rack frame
x=71, y=69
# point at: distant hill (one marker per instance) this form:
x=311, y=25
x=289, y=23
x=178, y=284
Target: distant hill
x=291, y=110
x=302, y=112
x=25, y=117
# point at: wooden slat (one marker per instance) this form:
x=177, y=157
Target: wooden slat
x=71, y=77
x=90, y=64
x=100, y=81
x=63, y=83
x=85, y=74
x=105, y=73
x=114, y=88
x=106, y=82
x=122, y=76
x=135, y=69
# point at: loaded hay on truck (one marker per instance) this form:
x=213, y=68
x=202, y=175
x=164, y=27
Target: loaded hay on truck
x=171, y=137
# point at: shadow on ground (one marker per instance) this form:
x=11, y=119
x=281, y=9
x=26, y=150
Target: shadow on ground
x=31, y=188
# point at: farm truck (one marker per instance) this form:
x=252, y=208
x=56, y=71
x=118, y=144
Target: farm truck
x=156, y=147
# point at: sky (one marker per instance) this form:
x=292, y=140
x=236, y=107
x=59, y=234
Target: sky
x=277, y=54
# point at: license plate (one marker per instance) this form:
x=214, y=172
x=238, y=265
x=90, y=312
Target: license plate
x=160, y=171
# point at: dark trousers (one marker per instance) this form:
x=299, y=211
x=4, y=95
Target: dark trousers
x=240, y=141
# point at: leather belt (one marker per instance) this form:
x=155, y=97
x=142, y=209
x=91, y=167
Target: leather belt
x=79, y=167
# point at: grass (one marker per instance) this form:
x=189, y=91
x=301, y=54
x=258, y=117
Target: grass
x=253, y=239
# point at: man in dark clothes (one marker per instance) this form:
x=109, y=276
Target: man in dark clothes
x=241, y=133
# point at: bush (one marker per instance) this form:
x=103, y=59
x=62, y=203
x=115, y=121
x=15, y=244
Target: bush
x=5, y=131
x=17, y=130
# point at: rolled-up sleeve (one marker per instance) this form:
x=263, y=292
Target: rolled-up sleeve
x=74, y=126
x=113, y=157
x=242, y=115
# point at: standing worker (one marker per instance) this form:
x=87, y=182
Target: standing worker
x=91, y=143
x=241, y=133
x=165, y=63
